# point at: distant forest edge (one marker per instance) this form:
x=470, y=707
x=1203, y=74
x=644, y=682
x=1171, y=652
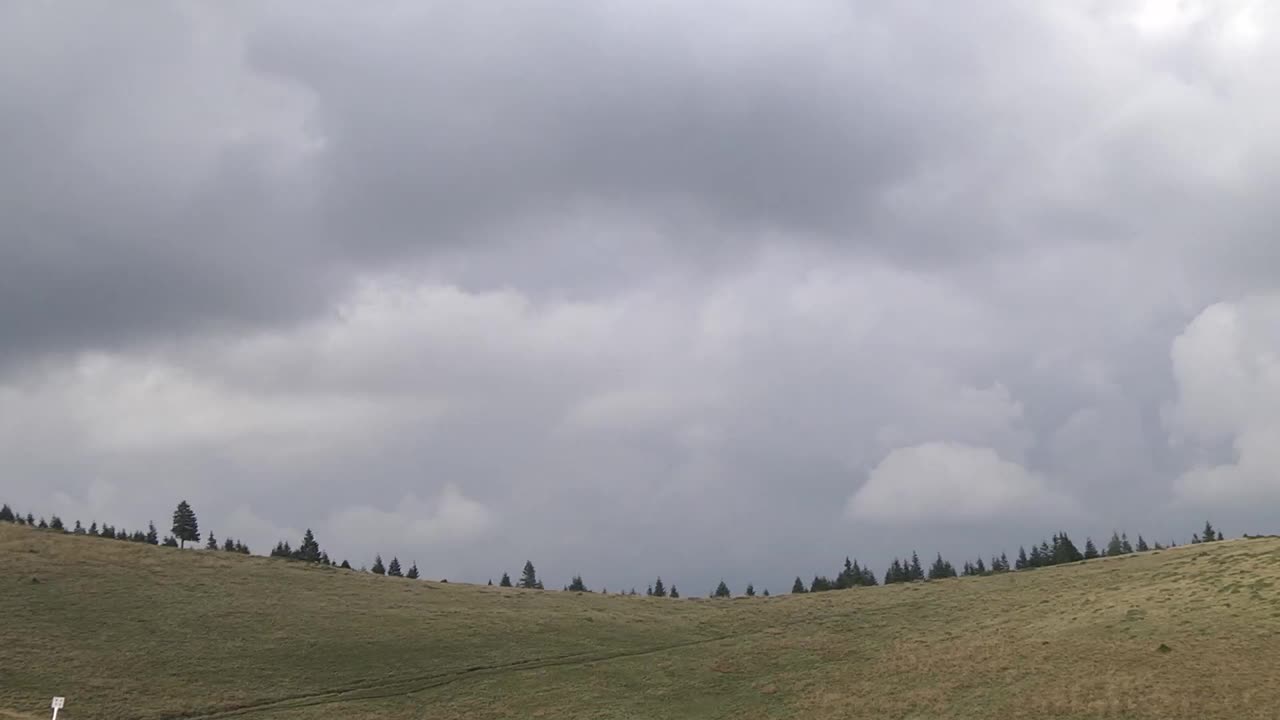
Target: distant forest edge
x=1060, y=549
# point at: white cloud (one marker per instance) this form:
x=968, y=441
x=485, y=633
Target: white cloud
x=952, y=481
x=449, y=518
x=1227, y=368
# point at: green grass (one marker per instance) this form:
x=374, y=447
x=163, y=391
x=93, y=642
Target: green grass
x=133, y=631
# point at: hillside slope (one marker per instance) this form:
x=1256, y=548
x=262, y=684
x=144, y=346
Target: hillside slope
x=133, y=631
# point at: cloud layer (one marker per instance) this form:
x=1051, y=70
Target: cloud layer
x=706, y=290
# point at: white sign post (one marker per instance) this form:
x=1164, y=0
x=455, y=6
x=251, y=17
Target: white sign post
x=58, y=702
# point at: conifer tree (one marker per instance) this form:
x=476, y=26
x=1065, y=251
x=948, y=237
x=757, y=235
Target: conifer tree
x=228, y=545
x=31, y=519
x=170, y=541
x=659, y=590
x=821, y=584
x=751, y=590
x=1220, y=535
x=378, y=568
x=722, y=591
x=78, y=529
x=528, y=578
x=1090, y=550
x=675, y=593
x=122, y=534
x=211, y=543
x=798, y=586
x=55, y=523
x=6, y=514
x=1036, y=560
x=309, y=550
x=1125, y=547
x=185, y=526
x=648, y=591
x=941, y=569
x=506, y=581
x=981, y=567
x=345, y=565
x=20, y=519
x=1208, y=534
x=576, y=586
x=44, y=525
x=917, y=572
x=1116, y=546
x=1142, y=545
x=394, y=568
x=138, y=536
x=413, y=572
x=153, y=536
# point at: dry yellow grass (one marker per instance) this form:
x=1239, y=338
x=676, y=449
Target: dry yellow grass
x=129, y=631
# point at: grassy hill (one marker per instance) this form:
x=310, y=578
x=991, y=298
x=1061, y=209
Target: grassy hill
x=134, y=631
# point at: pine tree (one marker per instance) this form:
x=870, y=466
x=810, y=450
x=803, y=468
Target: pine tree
x=1036, y=560
x=413, y=571
x=55, y=523
x=1090, y=550
x=378, y=568
x=722, y=591
x=1220, y=535
x=917, y=572
x=506, y=581
x=44, y=525
x=6, y=514
x=576, y=586
x=153, y=537
x=980, y=567
x=170, y=541
x=1208, y=534
x=648, y=591
x=228, y=545
x=31, y=519
x=675, y=593
x=138, y=536
x=309, y=550
x=78, y=529
x=798, y=586
x=122, y=534
x=941, y=569
x=185, y=526
x=751, y=590
x=212, y=543
x=1142, y=545
x=1125, y=547
x=659, y=590
x=528, y=578
x=1116, y=546
x=345, y=565
x=394, y=568
x=20, y=518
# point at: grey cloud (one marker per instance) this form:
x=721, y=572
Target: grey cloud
x=657, y=286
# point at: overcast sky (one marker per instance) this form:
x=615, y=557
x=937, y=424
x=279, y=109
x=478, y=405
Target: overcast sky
x=700, y=289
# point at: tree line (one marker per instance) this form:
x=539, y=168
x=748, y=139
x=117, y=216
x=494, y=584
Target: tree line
x=1059, y=549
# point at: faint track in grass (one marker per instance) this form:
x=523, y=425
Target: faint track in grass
x=413, y=685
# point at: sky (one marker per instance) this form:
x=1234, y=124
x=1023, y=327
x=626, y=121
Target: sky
x=700, y=290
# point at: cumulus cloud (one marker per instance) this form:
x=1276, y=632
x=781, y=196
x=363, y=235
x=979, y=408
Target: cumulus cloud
x=1227, y=367
x=940, y=482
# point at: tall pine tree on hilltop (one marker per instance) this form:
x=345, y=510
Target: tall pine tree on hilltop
x=798, y=586
x=675, y=593
x=506, y=581
x=413, y=572
x=394, y=568
x=1090, y=550
x=153, y=535
x=6, y=514
x=185, y=527
x=659, y=590
x=529, y=577
x=378, y=568
x=722, y=591
x=211, y=543
x=309, y=550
